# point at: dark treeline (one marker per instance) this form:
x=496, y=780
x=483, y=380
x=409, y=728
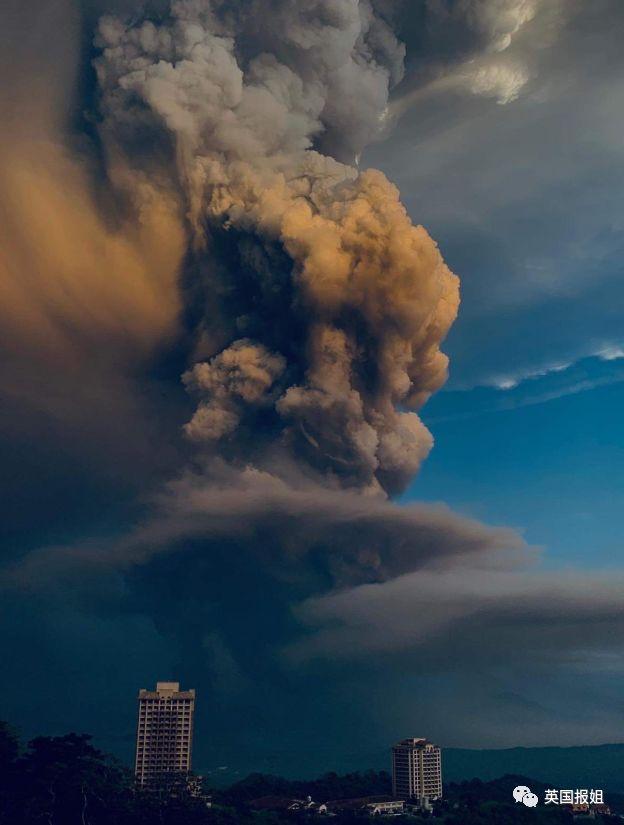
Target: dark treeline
x=65, y=780
x=329, y=786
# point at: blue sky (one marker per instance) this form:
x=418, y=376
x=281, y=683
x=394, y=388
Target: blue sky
x=526, y=201
x=553, y=469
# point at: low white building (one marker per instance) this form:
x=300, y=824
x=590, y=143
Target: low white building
x=386, y=807
x=372, y=805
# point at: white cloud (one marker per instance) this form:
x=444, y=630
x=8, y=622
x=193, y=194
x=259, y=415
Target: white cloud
x=611, y=352
x=510, y=382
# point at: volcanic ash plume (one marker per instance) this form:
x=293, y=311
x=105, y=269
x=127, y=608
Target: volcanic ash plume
x=323, y=307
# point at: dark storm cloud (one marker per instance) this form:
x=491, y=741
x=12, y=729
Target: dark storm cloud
x=264, y=585
x=336, y=576
x=301, y=532
x=216, y=572
x=471, y=617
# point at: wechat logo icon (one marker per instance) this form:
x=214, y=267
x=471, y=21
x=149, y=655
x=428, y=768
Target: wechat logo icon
x=523, y=794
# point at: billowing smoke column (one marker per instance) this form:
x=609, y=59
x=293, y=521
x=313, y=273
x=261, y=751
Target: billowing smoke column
x=322, y=308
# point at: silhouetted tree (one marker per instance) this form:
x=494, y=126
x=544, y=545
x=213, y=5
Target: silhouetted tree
x=62, y=780
x=9, y=750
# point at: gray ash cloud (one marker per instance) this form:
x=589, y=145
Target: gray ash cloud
x=325, y=308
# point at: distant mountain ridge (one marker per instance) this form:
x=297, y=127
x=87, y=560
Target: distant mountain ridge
x=585, y=766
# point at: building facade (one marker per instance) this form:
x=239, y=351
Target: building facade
x=416, y=770
x=371, y=805
x=164, y=733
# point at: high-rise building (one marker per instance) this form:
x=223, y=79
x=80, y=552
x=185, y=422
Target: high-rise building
x=164, y=733
x=416, y=770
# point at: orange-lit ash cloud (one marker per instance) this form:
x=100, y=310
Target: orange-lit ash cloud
x=88, y=272
x=309, y=271
x=73, y=283
x=211, y=183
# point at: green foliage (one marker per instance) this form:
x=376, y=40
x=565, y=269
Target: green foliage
x=328, y=786
x=9, y=749
x=64, y=780
x=9, y=746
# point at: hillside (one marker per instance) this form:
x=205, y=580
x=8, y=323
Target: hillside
x=592, y=766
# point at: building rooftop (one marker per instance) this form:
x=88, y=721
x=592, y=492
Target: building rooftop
x=414, y=742
x=165, y=690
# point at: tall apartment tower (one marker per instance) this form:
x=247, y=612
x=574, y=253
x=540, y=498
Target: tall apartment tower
x=164, y=733
x=416, y=770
